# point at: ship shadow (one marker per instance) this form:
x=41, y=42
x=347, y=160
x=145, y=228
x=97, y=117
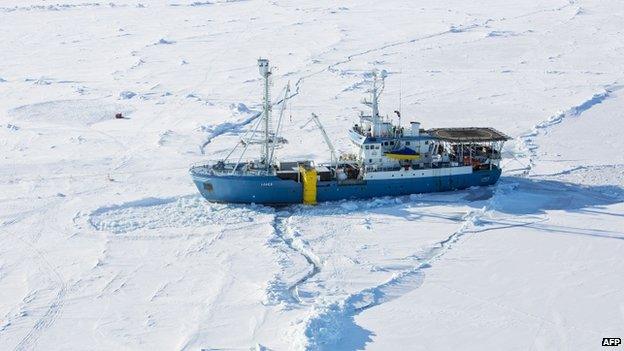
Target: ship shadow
x=518, y=196
x=523, y=196
x=525, y=200
x=518, y=201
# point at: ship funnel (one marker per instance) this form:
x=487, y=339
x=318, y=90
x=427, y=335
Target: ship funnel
x=263, y=67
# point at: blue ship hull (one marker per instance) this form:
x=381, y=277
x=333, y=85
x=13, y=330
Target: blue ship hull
x=271, y=190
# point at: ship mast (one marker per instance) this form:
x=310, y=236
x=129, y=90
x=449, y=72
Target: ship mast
x=265, y=72
x=375, y=98
x=267, y=138
x=374, y=104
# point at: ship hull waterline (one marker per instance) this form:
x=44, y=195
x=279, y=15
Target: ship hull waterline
x=271, y=190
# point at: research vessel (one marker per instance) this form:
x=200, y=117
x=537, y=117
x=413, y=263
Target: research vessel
x=389, y=159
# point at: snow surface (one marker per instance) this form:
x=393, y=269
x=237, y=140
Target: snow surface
x=105, y=244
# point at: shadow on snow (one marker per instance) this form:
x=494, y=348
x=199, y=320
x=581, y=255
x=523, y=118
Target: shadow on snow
x=525, y=200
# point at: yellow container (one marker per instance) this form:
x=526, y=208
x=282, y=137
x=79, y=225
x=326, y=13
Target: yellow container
x=402, y=156
x=309, y=179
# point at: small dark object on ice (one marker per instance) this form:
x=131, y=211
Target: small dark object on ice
x=119, y=116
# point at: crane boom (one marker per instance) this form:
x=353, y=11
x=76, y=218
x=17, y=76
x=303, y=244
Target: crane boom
x=332, y=150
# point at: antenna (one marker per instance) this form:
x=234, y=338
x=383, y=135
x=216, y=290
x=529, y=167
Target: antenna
x=400, y=94
x=397, y=129
x=374, y=97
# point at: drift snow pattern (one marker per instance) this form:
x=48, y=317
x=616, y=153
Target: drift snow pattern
x=105, y=243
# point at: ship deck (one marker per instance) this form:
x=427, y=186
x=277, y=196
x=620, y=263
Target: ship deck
x=467, y=135
x=210, y=170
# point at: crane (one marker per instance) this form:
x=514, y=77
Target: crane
x=319, y=125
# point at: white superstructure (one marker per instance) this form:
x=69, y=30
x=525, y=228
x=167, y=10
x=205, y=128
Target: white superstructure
x=388, y=151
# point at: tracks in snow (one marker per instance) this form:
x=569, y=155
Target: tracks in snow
x=527, y=141
x=289, y=238
x=295, y=243
x=227, y=127
x=29, y=341
x=331, y=323
x=154, y=213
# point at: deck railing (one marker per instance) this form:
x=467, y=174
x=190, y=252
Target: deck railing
x=426, y=166
x=241, y=170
